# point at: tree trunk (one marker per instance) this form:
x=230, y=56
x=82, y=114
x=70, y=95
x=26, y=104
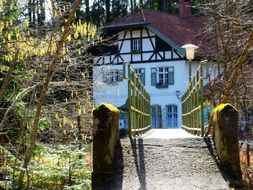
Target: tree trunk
x=30, y=12
x=132, y=6
x=87, y=11
x=41, y=13
x=107, y=9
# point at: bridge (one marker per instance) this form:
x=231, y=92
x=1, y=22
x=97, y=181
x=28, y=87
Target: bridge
x=165, y=158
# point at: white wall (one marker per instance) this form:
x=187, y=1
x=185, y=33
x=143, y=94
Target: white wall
x=116, y=94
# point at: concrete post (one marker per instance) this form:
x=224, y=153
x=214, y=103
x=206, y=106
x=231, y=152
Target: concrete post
x=105, y=138
x=226, y=131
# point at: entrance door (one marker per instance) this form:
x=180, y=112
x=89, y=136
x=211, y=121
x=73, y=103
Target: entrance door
x=156, y=116
x=172, y=116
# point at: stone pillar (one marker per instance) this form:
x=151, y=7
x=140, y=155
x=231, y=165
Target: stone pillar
x=105, y=138
x=226, y=132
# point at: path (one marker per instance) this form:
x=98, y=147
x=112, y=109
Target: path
x=165, y=159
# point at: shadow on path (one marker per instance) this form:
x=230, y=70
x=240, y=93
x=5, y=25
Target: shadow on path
x=136, y=152
x=139, y=160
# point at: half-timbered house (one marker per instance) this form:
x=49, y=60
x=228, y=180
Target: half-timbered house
x=151, y=41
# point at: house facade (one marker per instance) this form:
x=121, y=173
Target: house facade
x=151, y=41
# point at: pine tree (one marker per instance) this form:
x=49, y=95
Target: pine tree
x=97, y=13
x=119, y=8
x=87, y=11
x=107, y=10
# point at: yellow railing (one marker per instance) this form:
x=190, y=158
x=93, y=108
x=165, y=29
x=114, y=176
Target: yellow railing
x=138, y=103
x=192, y=103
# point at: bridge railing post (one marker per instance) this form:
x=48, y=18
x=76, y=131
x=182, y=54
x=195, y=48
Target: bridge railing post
x=226, y=131
x=105, y=138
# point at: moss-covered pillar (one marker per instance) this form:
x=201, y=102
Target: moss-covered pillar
x=226, y=131
x=105, y=138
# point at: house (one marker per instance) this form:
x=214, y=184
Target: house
x=151, y=41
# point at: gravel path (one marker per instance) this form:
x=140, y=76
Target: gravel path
x=165, y=163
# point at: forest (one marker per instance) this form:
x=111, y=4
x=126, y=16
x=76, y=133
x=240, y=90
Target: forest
x=46, y=80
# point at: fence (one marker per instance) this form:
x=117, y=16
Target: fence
x=192, y=103
x=138, y=103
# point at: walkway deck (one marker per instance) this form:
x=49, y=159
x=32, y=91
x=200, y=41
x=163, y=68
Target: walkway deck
x=165, y=159
x=167, y=134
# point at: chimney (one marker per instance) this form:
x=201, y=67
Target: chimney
x=185, y=9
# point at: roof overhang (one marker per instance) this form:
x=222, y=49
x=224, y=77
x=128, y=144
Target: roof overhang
x=125, y=26
x=166, y=39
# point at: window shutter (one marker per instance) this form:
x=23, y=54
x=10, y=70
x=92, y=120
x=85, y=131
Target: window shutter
x=104, y=76
x=153, y=76
x=171, y=76
x=142, y=76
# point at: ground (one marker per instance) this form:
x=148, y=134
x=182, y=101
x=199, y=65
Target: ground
x=152, y=163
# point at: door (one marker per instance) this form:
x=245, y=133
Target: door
x=156, y=116
x=172, y=116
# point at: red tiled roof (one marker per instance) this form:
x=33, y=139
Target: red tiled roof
x=181, y=30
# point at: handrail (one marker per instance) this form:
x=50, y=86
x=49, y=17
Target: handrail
x=138, y=103
x=192, y=104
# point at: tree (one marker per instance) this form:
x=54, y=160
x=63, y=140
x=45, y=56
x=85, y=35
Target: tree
x=119, y=8
x=162, y=5
x=228, y=28
x=97, y=13
x=87, y=11
x=36, y=13
x=107, y=11
x=28, y=64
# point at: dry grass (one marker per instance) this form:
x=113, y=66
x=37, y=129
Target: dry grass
x=247, y=166
x=89, y=159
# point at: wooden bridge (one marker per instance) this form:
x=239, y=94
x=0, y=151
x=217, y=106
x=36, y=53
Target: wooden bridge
x=165, y=158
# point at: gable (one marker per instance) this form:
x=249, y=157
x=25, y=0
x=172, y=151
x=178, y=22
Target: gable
x=167, y=40
x=140, y=46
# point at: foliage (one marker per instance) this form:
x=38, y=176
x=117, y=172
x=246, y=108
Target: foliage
x=29, y=59
x=57, y=167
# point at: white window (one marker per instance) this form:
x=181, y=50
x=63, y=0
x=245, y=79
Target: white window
x=164, y=76
x=156, y=116
x=113, y=76
x=171, y=116
x=141, y=74
x=136, y=45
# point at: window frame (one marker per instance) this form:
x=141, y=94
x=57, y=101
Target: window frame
x=165, y=75
x=136, y=45
x=113, y=76
x=140, y=72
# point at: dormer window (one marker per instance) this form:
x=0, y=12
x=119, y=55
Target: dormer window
x=136, y=45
